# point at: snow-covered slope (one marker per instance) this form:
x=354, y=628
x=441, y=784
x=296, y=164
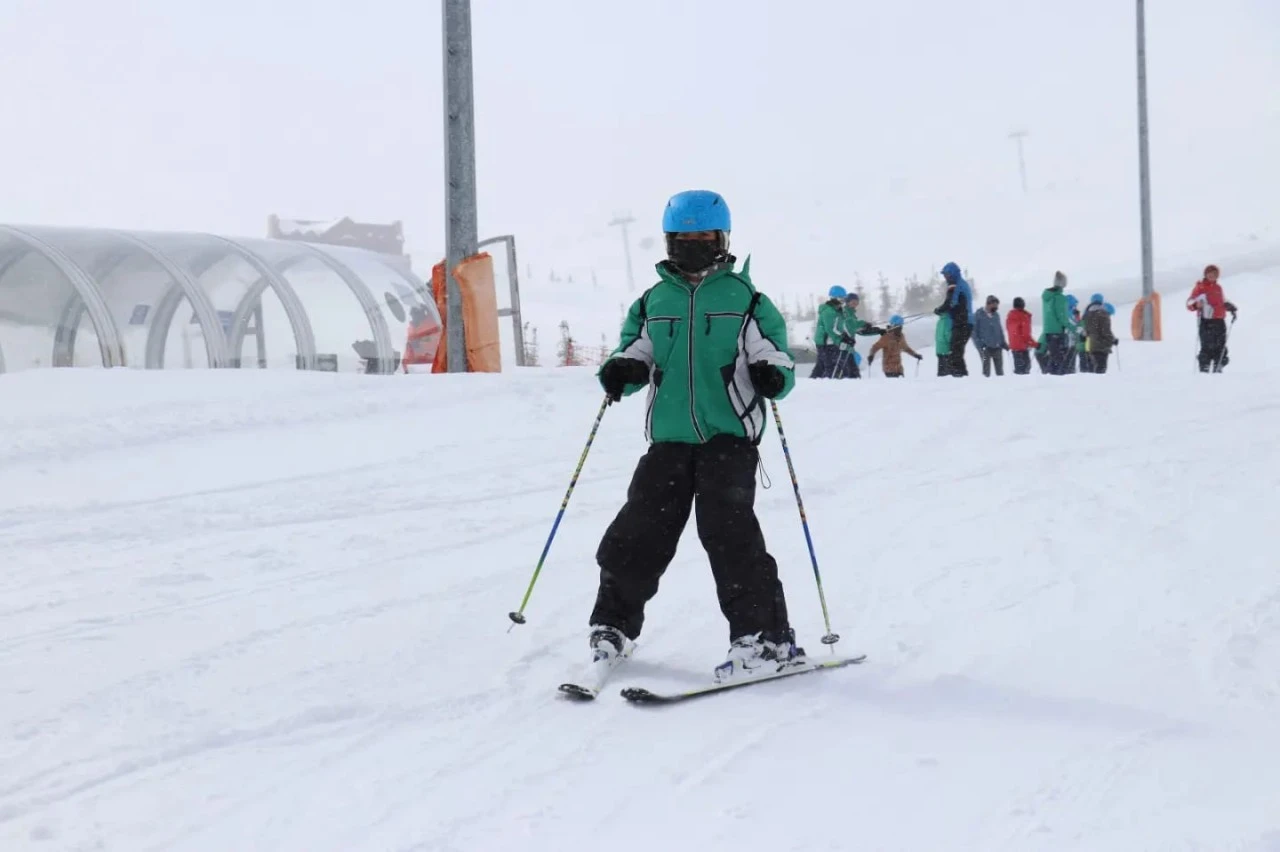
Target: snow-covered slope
x=267, y=611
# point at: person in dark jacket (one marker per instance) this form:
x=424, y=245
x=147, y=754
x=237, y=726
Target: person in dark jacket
x=959, y=306
x=1021, y=341
x=1098, y=339
x=1212, y=307
x=988, y=336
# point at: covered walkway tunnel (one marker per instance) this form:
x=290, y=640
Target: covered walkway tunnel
x=89, y=297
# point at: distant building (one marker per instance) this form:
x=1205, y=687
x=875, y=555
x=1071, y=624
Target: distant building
x=384, y=239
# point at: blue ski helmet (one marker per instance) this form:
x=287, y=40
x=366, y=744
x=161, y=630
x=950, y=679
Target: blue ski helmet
x=1111, y=309
x=1096, y=299
x=837, y=292
x=1072, y=301
x=696, y=210
x=895, y=320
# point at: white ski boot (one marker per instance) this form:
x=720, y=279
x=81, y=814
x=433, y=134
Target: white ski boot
x=753, y=655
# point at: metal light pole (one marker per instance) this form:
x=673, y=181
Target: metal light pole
x=461, y=229
x=623, y=222
x=1018, y=136
x=1144, y=179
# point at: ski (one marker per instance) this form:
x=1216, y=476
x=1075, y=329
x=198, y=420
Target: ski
x=597, y=675
x=639, y=695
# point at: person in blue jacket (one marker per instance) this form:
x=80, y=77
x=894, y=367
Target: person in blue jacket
x=959, y=306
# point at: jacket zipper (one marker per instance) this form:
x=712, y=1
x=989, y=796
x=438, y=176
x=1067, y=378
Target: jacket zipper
x=693, y=409
x=670, y=321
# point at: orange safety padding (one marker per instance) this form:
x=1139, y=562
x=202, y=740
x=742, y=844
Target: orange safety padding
x=421, y=344
x=480, y=313
x=438, y=289
x=1135, y=321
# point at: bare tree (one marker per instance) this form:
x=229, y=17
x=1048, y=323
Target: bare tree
x=886, y=298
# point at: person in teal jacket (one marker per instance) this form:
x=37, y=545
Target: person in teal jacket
x=942, y=344
x=712, y=351
x=1057, y=321
x=849, y=364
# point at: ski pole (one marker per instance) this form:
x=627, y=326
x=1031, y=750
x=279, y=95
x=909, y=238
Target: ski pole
x=518, y=615
x=838, y=372
x=830, y=638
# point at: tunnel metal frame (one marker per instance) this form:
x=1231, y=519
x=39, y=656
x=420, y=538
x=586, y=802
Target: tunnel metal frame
x=110, y=343
x=223, y=347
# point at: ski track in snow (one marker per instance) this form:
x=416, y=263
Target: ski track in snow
x=248, y=611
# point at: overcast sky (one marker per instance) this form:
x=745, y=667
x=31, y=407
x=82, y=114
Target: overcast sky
x=846, y=135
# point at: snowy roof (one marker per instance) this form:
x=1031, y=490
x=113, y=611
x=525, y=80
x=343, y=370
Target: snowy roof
x=298, y=227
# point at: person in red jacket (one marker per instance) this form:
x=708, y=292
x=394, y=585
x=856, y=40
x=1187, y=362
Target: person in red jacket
x=1021, y=341
x=1212, y=308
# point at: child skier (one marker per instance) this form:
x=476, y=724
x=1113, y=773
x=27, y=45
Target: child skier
x=1021, y=341
x=892, y=343
x=942, y=344
x=827, y=333
x=710, y=348
x=1212, y=308
x=1097, y=335
x=1075, y=338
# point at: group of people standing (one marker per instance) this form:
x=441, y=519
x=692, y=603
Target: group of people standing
x=1072, y=339
x=835, y=339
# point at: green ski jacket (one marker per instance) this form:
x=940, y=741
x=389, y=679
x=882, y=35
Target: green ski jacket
x=698, y=340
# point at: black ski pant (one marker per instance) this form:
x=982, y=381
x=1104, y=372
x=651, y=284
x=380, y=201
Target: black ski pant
x=959, y=340
x=944, y=365
x=847, y=366
x=1213, y=340
x=1098, y=361
x=1058, y=353
x=719, y=478
x=1021, y=362
x=1086, y=362
x=992, y=356
x=825, y=365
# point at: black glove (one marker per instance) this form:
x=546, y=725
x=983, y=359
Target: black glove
x=847, y=340
x=874, y=329
x=940, y=310
x=766, y=379
x=617, y=373
x=871, y=359
x=1004, y=346
x=919, y=357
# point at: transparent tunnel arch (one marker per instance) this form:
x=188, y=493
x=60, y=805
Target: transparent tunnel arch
x=83, y=292
x=127, y=288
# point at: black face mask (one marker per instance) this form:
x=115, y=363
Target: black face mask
x=693, y=256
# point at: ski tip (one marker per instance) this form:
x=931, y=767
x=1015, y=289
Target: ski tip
x=640, y=695
x=577, y=693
